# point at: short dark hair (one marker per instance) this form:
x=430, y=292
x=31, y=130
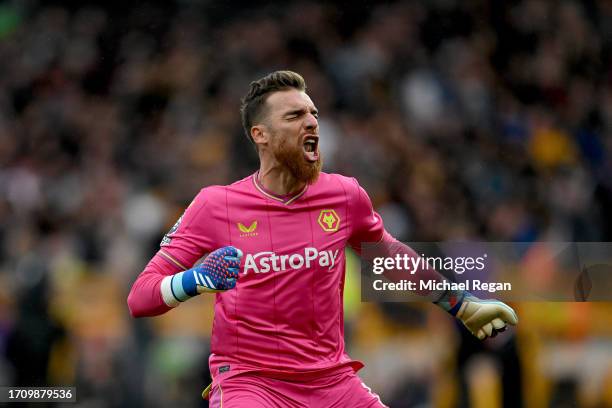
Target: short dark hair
x=253, y=102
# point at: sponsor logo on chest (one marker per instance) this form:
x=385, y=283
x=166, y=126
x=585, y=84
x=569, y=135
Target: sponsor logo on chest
x=263, y=262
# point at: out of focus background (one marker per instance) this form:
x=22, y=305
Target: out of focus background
x=464, y=120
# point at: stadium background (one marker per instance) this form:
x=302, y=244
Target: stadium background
x=484, y=120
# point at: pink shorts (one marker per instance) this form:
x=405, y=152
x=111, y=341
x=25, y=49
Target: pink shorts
x=252, y=391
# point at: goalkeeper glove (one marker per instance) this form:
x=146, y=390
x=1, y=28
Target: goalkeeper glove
x=217, y=273
x=483, y=318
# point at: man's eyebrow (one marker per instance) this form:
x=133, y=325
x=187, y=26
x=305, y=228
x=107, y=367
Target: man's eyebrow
x=300, y=111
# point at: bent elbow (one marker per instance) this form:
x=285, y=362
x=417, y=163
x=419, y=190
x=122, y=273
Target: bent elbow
x=135, y=310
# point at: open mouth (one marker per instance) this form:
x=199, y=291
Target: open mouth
x=311, y=148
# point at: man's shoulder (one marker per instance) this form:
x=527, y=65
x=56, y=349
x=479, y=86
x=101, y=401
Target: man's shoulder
x=215, y=192
x=334, y=180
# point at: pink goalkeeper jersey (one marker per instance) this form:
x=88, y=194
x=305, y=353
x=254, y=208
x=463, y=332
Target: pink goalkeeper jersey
x=285, y=316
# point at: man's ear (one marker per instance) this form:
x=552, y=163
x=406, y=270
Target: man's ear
x=260, y=134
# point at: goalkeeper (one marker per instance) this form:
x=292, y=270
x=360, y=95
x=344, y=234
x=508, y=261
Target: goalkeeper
x=276, y=242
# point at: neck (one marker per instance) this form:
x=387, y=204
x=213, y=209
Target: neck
x=278, y=180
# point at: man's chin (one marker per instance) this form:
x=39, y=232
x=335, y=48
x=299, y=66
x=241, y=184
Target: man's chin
x=305, y=171
x=314, y=175
x=309, y=172
x=301, y=168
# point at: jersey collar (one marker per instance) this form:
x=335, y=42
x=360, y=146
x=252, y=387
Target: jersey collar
x=285, y=199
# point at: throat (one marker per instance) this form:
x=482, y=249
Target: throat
x=282, y=185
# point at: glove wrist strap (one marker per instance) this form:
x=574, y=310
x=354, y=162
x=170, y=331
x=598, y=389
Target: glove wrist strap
x=179, y=287
x=452, y=300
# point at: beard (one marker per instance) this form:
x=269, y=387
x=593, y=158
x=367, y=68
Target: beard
x=292, y=157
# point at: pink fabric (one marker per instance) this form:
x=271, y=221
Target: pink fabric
x=145, y=297
x=287, y=321
x=340, y=390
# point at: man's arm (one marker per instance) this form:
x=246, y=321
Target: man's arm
x=145, y=298
x=170, y=279
x=483, y=318
x=160, y=287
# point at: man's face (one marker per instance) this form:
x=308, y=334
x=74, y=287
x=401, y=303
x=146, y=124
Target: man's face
x=291, y=119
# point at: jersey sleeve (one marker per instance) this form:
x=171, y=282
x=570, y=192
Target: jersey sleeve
x=187, y=241
x=191, y=236
x=368, y=227
x=367, y=224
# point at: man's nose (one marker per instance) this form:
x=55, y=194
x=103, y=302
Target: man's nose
x=311, y=122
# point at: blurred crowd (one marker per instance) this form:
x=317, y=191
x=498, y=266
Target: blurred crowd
x=481, y=120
